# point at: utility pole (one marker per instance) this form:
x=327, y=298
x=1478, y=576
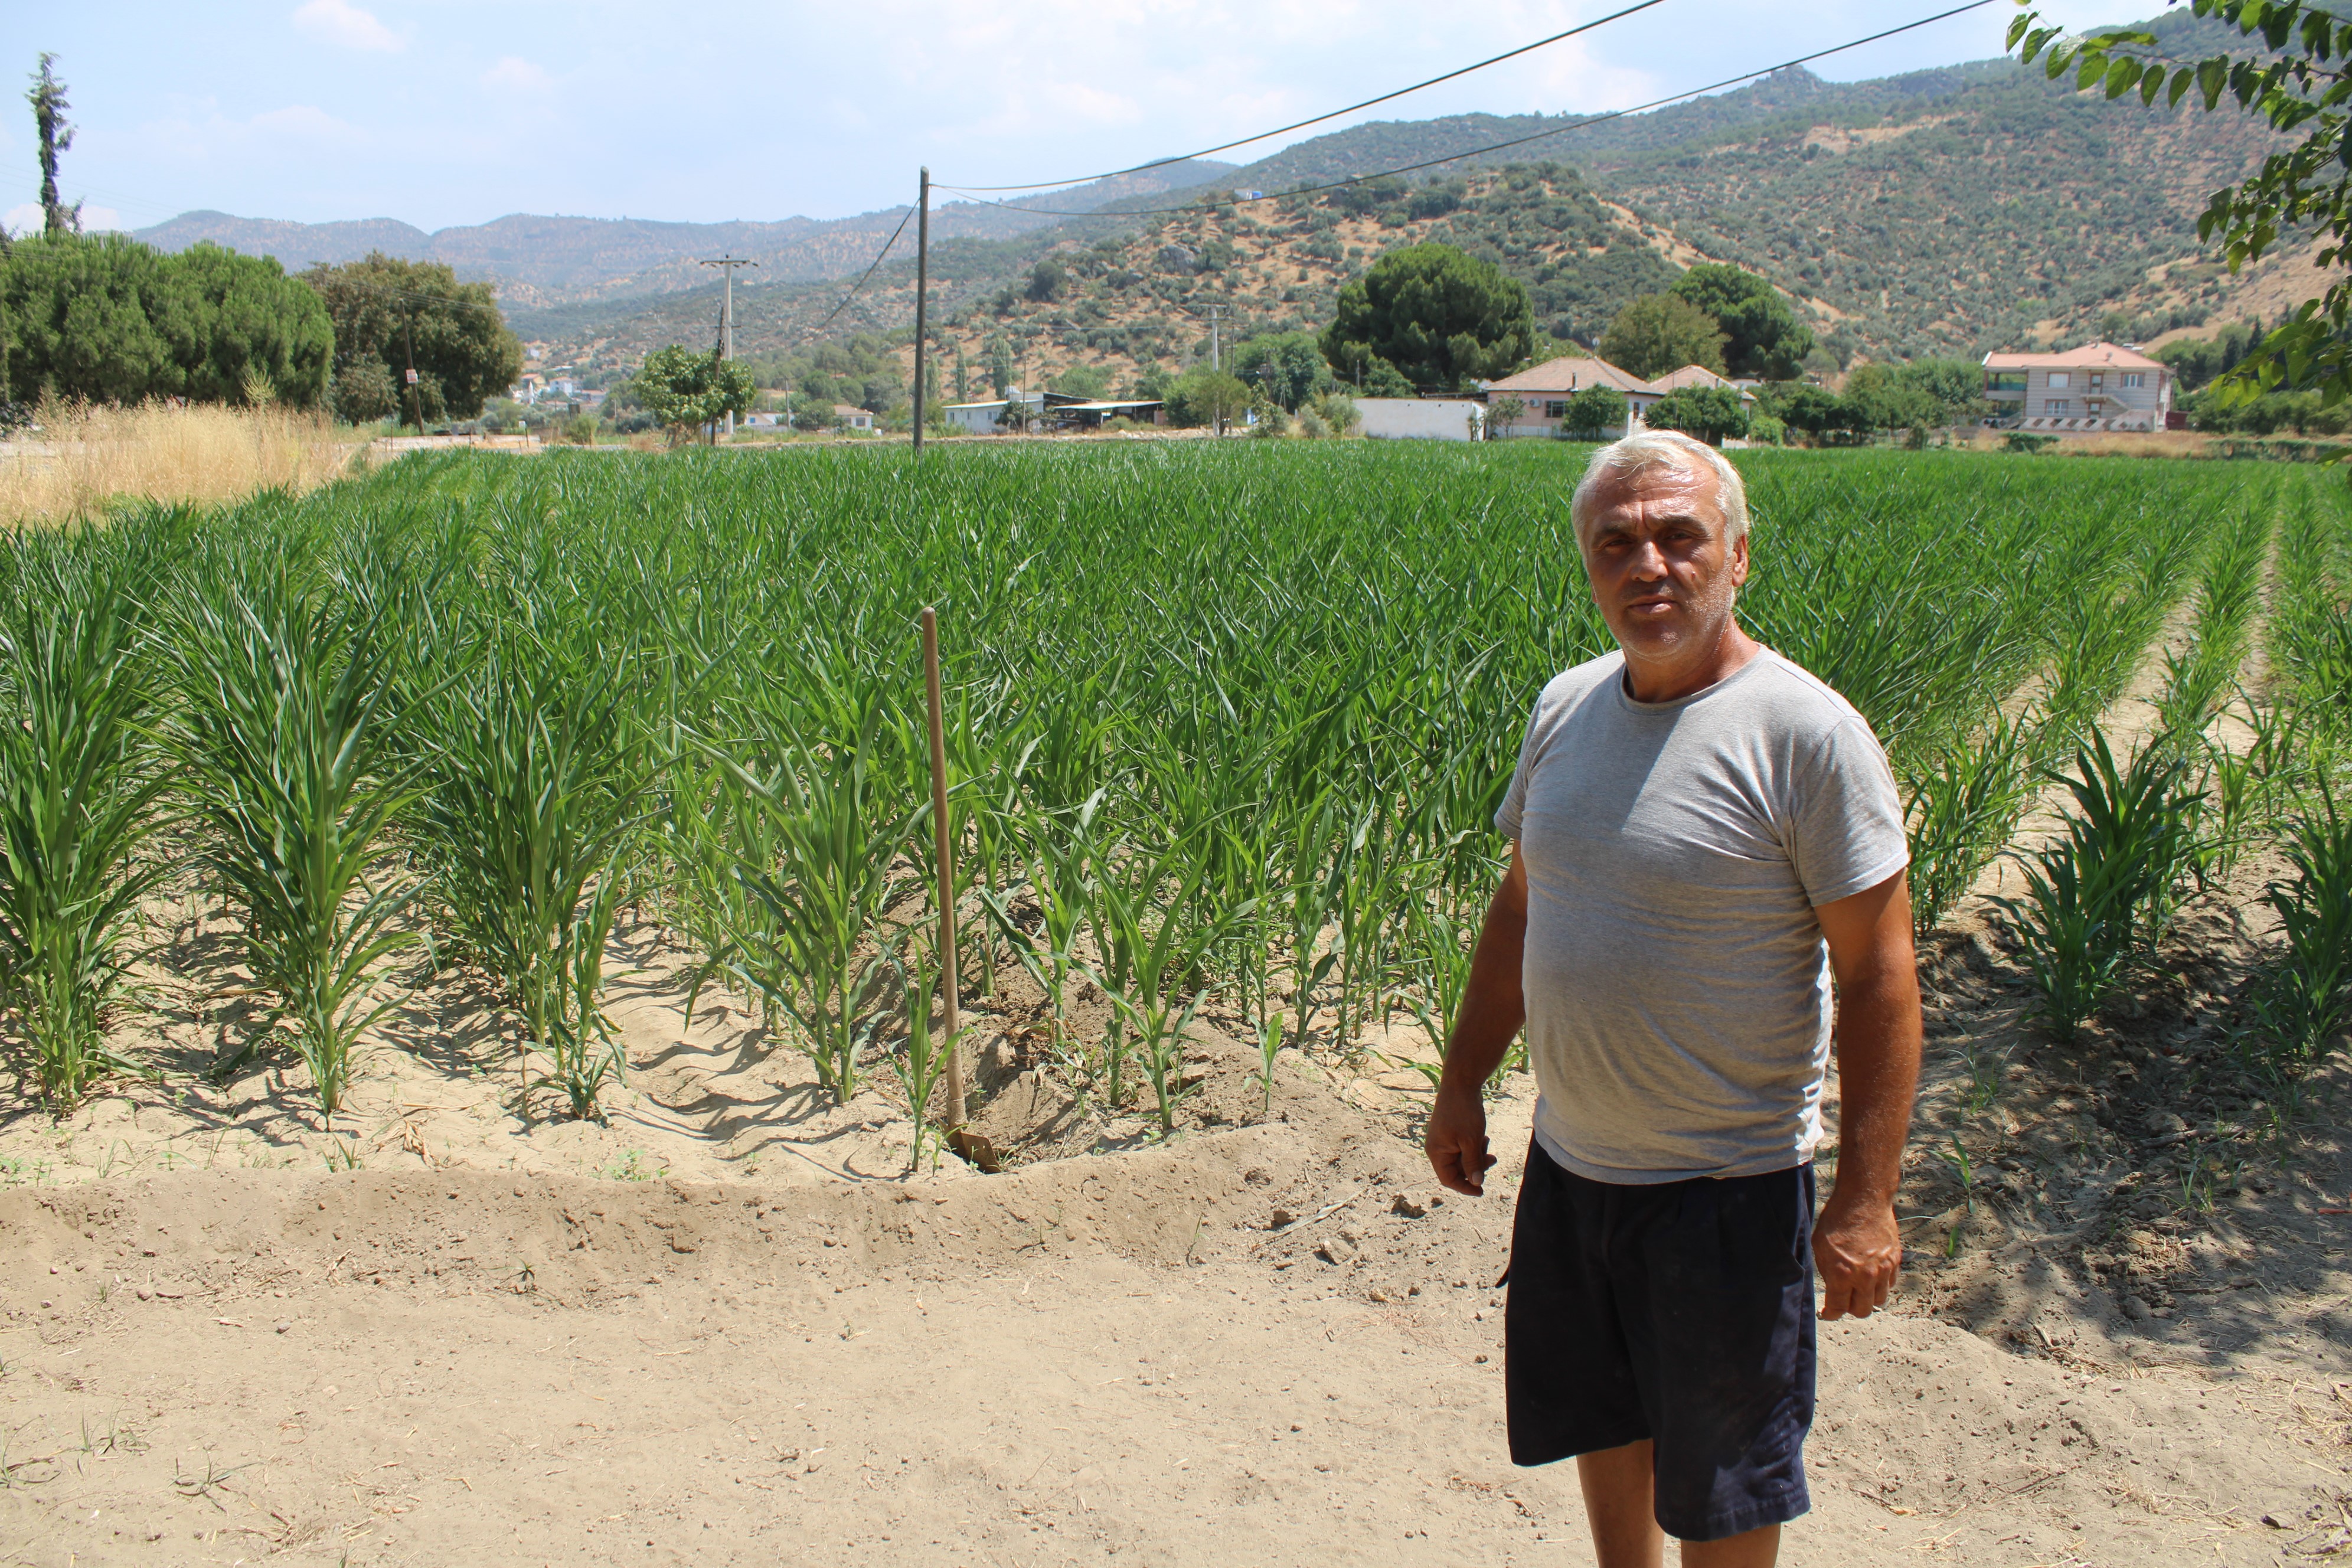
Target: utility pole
x=729, y=263
x=415, y=392
x=1216, y=359
x=922, y=297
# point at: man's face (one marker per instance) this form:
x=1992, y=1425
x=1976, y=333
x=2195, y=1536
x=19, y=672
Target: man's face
x=1663, y=571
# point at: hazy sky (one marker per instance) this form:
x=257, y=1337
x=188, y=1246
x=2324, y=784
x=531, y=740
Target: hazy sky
x=440, y=113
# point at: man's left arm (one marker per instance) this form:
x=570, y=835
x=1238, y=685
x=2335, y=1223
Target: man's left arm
x=1857, y=1246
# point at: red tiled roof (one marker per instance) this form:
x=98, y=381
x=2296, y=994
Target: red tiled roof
x=2088, y=354
x=1698, y=376
x=1570, y=372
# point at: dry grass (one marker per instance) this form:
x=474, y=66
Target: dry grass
x=84, y=458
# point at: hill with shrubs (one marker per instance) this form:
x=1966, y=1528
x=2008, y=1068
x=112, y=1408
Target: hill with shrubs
x=1938, y=214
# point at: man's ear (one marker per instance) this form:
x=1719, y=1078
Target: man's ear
x=1739, y=562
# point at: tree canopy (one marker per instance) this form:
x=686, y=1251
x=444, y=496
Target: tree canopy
x=464, y=352
x=1289, y=367
x=105, y=318
x=1204, y=396
x=685, y=389
x=1084, y=380
x=1596, y=410
x=1436, y=316
x=1661, y=333
x=1708, y=413
x=1762, y=337
x=862, y=370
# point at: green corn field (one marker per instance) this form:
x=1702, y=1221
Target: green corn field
x=1224, y=723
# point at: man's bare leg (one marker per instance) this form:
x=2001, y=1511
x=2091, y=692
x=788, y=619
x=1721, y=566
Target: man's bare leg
x=1622, y=1512
x=1750, y=1548
x=1619, y=1507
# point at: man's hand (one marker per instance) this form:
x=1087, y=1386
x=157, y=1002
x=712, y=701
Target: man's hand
x=1857, y=1247
x=1856, y=1244
x=1455, y=1141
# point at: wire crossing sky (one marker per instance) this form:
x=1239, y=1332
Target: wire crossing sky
x=435, y=112
x=1476, y=149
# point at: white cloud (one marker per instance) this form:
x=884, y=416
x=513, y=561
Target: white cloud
x=515, y=74
x=340, y=22
x=25, y=218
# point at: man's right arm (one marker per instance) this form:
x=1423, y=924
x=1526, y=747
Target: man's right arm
x=1493, y=1008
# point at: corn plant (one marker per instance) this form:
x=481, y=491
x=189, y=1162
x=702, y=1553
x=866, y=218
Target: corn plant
x=2310, y=634
x=1058, y=875
x=80, y=784
x=822, y=846
x=1961, y=812
x=1371, y=893
x=1129, y=881
x=1314, y=866
x=534, y=759
x=1443, y=944
x=1157, y=944
x=2098, y=897
x=922, y=1059
x=2307, y=996
x=281, y=727
x=2228, y=592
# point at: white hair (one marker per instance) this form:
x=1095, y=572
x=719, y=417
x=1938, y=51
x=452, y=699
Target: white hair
x=1662, y=449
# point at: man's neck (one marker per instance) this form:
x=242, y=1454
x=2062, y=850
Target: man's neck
x=1723, y=657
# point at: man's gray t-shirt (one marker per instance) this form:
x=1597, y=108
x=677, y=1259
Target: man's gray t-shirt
x=1678, y=988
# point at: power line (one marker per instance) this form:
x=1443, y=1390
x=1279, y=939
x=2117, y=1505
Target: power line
x=853, y=288
x=1493, y=146
x=1334, y=114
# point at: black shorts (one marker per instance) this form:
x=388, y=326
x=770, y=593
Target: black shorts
x=1682, y=1313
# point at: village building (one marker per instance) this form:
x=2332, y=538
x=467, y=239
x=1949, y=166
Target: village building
x=2099, y=386
x=1096, y=413
x=1543, y=392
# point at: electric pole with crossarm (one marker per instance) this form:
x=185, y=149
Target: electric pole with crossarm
x=726, y=314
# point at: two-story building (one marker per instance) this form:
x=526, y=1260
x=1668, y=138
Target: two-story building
x=2099, y=386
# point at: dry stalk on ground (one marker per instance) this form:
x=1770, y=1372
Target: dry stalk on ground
x=86, y=456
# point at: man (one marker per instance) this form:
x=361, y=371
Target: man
x=1704, y=837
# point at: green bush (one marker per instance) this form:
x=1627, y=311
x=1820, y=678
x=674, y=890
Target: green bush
x=1594, y=413
x=1711, y=414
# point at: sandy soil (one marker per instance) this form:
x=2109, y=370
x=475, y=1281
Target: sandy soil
x=727, y=1325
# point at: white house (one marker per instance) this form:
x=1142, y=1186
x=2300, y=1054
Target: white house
x=1543, y=391
x=2100, y=386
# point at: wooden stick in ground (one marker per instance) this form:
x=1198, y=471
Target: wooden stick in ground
x=943, y=841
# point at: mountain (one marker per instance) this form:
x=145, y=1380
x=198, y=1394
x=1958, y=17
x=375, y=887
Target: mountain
x=548, y=261
x=1946, y=212
x=1125, y=295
